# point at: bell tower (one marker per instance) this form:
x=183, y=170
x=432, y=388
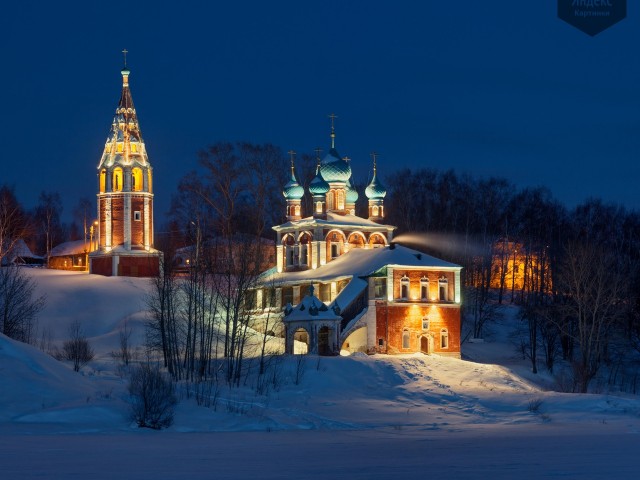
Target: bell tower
x=125, y=197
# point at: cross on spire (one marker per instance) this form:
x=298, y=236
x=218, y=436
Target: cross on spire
x=292, y=153
x=333, y=117
x=124, y=52
x=374, y=155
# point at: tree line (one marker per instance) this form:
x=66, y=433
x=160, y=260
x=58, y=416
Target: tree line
x=579, y=294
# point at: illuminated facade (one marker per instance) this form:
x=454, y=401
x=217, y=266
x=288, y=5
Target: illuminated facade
x=332, y=229
x=125, y=198
x=343, y=284
x=515, y=268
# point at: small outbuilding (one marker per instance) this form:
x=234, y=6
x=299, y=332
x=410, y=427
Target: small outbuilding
x=70, y=256
x=312, y=323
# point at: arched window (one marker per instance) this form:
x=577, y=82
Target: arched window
x=305, y=240
x=296, y=210
x=340, y=195
x=444, y=338
x=405, y=338
x=117, y=180
x=103, y=180
x=330, y=198
x=424, y=288
x=136, y=180
x=404, y=288
x=318, y=207
x=374, y=211
x=443, y=287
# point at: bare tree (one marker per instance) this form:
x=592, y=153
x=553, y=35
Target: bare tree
x=152, y=397
x=77, y=349
x=47, y=217
x=13, y=221
x=18, y=307
x=593, y=282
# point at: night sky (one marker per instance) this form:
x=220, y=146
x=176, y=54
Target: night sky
x=499, y=88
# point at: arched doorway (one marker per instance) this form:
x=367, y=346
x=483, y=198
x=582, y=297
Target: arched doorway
x=301, y=341
x=323, y=341
x=424, y=345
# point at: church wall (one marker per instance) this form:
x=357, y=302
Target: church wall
x=117, y=221
x=139, y=266
x=414, y=283
x=101, y=266
x=137, y=226
x=395, y=318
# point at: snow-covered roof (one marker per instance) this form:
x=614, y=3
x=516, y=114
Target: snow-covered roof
x=19, y=250
x=361, y=262
x=311, y=308
x=334, y=220
x=75, y=247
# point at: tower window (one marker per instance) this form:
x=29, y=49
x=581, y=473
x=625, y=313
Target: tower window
x=136, y=179
x=103, y=180
x=137, y=216
x=117, y=180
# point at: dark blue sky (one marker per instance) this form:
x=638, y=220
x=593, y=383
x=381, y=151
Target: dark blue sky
x=490, y=88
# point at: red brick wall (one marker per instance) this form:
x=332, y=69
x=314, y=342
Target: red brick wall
x=139, y=266
x=414, y=283
x=101, y=266
x=394, y=318
x=117, y=221
x=137, y=228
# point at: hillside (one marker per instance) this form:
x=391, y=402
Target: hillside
x=364, y=401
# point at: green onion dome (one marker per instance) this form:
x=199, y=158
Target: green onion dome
x=318, y=185
x=375, y=190
x=352, y=194
x=293, y=190
x=335, y=169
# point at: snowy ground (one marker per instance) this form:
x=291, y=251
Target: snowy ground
x=349, y=417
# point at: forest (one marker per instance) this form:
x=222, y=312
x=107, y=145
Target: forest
x=573, y=272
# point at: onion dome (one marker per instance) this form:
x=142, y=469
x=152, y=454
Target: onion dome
x=352, y=194
x=335, y=169
x=293, y=190
x=318, y=185
x=375, y=190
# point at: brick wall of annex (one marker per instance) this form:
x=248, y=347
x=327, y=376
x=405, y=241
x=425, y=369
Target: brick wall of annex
x=414, y=283
x=392, y=319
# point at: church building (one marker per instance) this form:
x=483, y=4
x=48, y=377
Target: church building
x=343, y=284
x=125, y=198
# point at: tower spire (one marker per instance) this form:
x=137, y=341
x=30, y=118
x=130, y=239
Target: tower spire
x=318, y=152
x=124, y=52
x=333, y=116
x=292, y=154
x=374, y=155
